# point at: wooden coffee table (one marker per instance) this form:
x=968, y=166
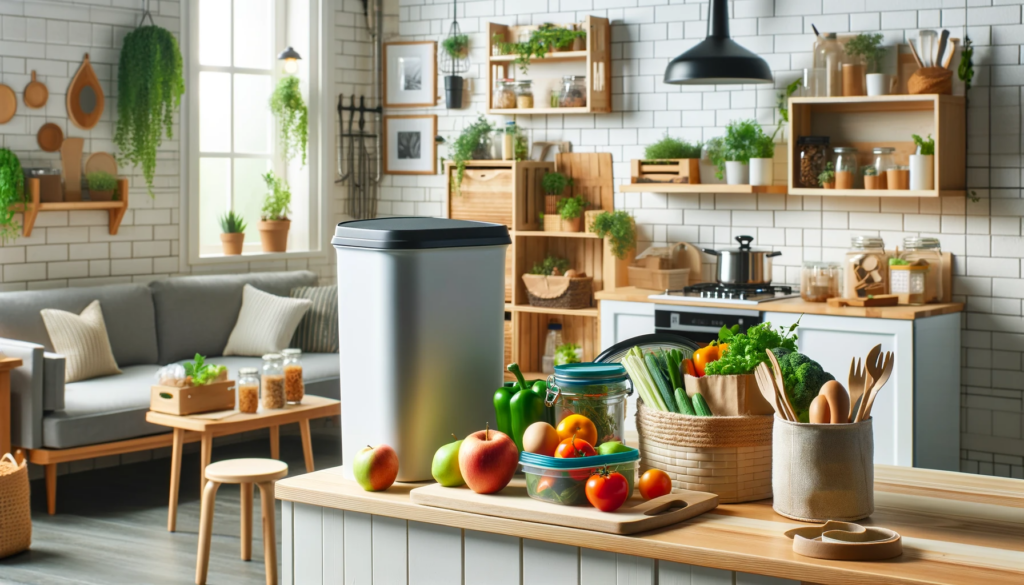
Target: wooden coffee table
x=206, y=429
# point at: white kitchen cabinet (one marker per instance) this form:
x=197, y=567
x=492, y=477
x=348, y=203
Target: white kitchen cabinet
x=621, y=320
x=917, y=413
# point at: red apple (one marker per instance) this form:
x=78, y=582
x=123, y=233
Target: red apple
x=488, y=460
x=375, y=468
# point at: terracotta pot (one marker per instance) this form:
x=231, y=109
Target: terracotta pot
x=844, y=180
x=274, y=235
x=101, y=195
x=572, y=225
x=232, y=243
x=871, y=182
x=898, y=179
x=831, y=185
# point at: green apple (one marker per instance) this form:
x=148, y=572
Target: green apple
x=445, y=466
x=609, y=447
x=375, y=468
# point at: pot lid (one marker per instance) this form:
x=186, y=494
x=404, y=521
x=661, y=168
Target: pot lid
x=744, y=246
x=418, y=233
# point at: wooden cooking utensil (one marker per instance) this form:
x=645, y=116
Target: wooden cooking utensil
x=913, y=51
x=838, y=401
x=855, y=384
x=781, y=387
x=943, y=44
x=36, y=94
x=71, y=168
x=8, y=104
x=874, y=371
x=869, y=400
x=947, y=58
x=766, y=384
x=50, y=137
x=820, y=413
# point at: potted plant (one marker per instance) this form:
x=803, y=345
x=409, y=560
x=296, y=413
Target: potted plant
x=232, y=233
x=547, y=38
x=274, y=222
x=12, y=191
x=867, y=51
x=471, y=144
x=871, y=177
x=738, y=146
x=922, y=164
x=571, y=209
x=710, y=153
x=102, y=186
x=455, y=47
x=554, y=185
x=669, y=160
x=827, y=177
x=290, y=111
x=618, y=227
x=761, y=163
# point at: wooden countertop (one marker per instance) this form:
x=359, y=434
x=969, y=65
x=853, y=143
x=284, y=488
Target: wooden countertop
x=793, y=305
x=956, y=528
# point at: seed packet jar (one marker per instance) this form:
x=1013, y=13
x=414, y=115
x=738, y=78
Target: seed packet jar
x=845, y=163
x=272, y=381
x=813, y=152
x=597, y=391
x=884, y=159
x=294, y=389
x=819, y=281
x=929, y=250
x=248, y=390
x=867, y=268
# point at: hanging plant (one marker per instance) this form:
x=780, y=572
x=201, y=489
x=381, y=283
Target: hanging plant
x=149, y=90
x=12, y=190
x=291, y=113
x=456, y=46
x=467, y=145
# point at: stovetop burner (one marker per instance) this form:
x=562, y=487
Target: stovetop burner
x=714, y=290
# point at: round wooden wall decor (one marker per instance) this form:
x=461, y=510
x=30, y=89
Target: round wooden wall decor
x=8, y=104
x=50, y=137
x=85, y=97
x=101, y=161
x=36, y=93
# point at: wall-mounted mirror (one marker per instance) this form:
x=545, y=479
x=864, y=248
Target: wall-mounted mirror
x=85, y=97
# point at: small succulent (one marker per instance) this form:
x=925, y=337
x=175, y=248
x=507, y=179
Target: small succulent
x=232, y=223
x=828, y=175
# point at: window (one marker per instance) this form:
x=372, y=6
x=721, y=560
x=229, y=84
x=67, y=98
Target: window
x=234, y=137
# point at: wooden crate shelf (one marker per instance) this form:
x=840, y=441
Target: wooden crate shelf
x=699, y=188
x=34, y=207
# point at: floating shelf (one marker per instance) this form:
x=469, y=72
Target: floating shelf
x=556, y=57
x=877, y=193
x=591, y=312
x=538, y=111
x=32, y=209
x=698, y=188
x=556, y=234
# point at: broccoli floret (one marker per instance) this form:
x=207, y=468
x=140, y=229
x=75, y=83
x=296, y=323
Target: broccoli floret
x=803, y=378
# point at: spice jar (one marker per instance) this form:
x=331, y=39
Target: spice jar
x=867, y=268
x=504, y=94
x=929, y=250
x=597, y=391
x=845, y=163
x=574, y=92
x=884, y=159
x=819, y=281
x=272, y=381
x=909, y=282
x=814, y=155
x=524, y=94
x=294, y=389
x=248, y=390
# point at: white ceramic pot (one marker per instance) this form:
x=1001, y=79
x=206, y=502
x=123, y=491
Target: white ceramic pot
x=878, y=84
x=762, y=171
x=922, y=172
x=737, y=173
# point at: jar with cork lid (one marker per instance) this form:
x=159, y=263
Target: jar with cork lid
x=867, y=268
x=294, y=389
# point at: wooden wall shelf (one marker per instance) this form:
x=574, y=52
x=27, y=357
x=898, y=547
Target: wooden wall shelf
x=34, y=207
x=698, y=188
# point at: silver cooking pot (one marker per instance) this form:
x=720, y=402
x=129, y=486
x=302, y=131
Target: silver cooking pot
x=744, y=265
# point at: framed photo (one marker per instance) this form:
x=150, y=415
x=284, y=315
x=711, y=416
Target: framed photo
x=410, y=74
x=409, y=146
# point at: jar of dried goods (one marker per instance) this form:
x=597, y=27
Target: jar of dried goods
x=929, y=250
x=504, y=94
x=272, y=380
x=294, y=389
x=845, y=163
x=813, y=154
x=524, y=94
x=574, y=92
x=819, y=281
x=884, y=158
x=867, y=268
x=248, y=390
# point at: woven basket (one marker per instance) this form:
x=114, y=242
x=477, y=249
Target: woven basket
x=15, y=514
x=559, y=292
x=726, y=455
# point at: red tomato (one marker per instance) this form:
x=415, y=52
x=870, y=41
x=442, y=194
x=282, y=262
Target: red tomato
x=655, y=483
x=607, y=491
x=573, y=447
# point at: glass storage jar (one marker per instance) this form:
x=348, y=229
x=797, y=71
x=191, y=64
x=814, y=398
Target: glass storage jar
x=508, y=141
x=272, y=381
x=884, y=158
x=845, y=163
x=929, y=250
x=294, y=389
x=504, y=94
x=524, y=94
x=828, y=65
x=597, y=391
x=574, y=92
x=909, y=281
x=867, y=268
x=248, y=390
x=819, y=281
x=813, y=155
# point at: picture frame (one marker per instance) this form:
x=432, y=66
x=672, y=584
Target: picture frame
x=410, y=74
x=409, y=145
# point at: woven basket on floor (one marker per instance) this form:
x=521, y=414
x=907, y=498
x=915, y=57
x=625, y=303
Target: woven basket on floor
x=559, y=292
x=15, y=514
x=726, y=455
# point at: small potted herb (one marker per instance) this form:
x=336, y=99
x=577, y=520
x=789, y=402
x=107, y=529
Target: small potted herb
x=761, y=171
x=922, y=164
x=571, y=209
x=738, y=146
x=102, y=186
x=867, y=51
x=547, y=38
x=554, y=185
x=274, y=222
x=827, y=178
x=551, y=266
x=871, y=177
x=673, y=161
x=618, y=227
x=232, y=233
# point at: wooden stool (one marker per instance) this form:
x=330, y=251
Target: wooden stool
x=245, y=472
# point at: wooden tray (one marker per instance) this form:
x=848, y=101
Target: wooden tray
x=512, y=502
x=875, y=301
x=192, y=399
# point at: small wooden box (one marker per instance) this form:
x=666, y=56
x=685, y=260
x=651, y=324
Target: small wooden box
x=192, y=399
x=668, y=170
x=675, y=279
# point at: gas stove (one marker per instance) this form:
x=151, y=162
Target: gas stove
x=713, y=292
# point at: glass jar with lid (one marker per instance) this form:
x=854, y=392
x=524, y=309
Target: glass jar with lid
x=819, y=281
x=884, y=158
x=574, y=92
x=272, y=381
x=504, y=94
x=928, y=250
x=845, y=163
x=813, y=152
x=597, y=391
x=294, y=388
x=248, y=390
x=524, y=94
x=867, y=268
x=828, y=65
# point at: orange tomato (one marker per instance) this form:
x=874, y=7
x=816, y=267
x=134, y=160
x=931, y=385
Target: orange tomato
x=655, y=483
x=579, y=426
x=704, y=356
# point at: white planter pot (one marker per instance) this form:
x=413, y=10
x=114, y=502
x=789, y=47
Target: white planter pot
x=879, y=84
x=922, y=172
x=737, y=173
x=762, y=171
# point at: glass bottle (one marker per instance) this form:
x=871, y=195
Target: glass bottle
x=574, y=92
x=294, y=389
x=867, y=268
x=508, y=141
x=929, y=250
x=845, y=163
x=272, y=381
x=248, y=390
x=828, y=66
x=524, y=94
x=884, y=159
x=554, y=339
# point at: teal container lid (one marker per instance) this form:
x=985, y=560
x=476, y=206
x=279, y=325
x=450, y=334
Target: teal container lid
x=546, y=462
x=590, y=373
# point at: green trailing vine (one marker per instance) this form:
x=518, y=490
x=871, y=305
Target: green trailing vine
x=149, y=90
x=12, y=190
x=965, y=71
x=783, y=106
x=455, y=46
x=277, y=202
x=545, y=39
x=617, y=226
x=290, y=110
x=466, y=145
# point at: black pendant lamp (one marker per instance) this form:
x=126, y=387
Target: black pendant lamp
x=718, y=59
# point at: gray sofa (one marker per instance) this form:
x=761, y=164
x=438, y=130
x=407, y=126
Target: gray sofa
x=149, y=326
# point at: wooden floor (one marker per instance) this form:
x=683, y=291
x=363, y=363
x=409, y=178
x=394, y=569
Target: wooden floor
x=111, y=525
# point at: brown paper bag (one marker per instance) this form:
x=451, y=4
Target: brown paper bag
x=729, y=395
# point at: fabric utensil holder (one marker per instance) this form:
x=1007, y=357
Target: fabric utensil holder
x=15, y=513
x=729, y=395
x=823, y=472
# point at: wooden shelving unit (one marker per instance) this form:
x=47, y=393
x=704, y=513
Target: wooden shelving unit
x=698, y=188
x=34, y=207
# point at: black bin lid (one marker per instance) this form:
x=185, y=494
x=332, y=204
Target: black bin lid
x=418, y=233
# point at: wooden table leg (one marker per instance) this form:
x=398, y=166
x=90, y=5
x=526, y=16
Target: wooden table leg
x=307, y=446
x=269, y=544
x=246, y=521
x=51, y=488
x=205, y=531
x=275, y=442
x=206, y=451
x=172, y=505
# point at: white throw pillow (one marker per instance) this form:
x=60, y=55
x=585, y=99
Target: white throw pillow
x=83, y=341
x=266, y=323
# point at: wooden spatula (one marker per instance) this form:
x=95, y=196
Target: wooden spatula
x=781, y=387
x=766, y=384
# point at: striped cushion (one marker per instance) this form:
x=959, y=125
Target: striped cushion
x=318, y=331
x=83, y=341
x=265, y=324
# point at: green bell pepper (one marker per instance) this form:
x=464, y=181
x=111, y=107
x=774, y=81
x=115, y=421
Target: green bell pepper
x=503, y=408
x=526, y=405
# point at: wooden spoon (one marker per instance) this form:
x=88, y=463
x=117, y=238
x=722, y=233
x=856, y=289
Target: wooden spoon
x=874, y=368
x=766, y=384
x=819, y=413
x=781, y=387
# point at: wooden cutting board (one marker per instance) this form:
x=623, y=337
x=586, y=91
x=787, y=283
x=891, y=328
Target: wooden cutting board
x=690, y=257
x=875, y=301
x=634, y=516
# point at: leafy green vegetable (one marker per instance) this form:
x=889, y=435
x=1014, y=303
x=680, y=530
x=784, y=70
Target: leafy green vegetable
x=746, y=350
x=566, y=354
x=618, y=226
x=924, y=145
x=201, y=372
x=548, y=266
x=292, y=116
x=572, y=207
x=803, y=378
x=669, y=147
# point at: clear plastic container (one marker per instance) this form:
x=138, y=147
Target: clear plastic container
x=564, y=481
x=867, y=268
x=554, y=339
x=248, y=390
x=294, y=388
x=845, y=163
x=819, y=281
x=597, y=391
x=929, y=250
x=272, y=381
x=524, y=94
x=574, y=92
